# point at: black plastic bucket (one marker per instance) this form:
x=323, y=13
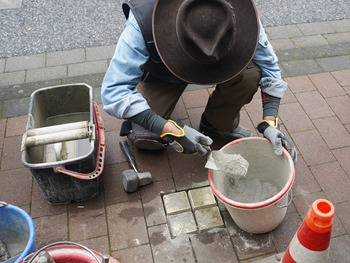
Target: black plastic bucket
x=67, y=170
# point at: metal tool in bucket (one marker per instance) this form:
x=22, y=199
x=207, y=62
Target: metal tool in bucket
x=262, y=216
x=64, y=143
x=66, y=251
x=17, y=232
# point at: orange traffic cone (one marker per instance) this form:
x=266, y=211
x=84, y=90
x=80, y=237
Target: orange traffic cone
x=311, y=242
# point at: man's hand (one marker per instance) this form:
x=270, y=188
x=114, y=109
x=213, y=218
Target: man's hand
x=271, y=131
x=185, y=139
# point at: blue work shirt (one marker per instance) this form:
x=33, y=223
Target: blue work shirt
x=119, y=93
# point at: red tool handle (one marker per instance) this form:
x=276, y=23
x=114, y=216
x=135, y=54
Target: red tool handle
x=100, y=152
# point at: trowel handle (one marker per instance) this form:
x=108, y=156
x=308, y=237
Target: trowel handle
x=128, y=155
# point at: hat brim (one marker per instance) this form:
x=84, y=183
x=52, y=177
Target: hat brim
x=189, y=70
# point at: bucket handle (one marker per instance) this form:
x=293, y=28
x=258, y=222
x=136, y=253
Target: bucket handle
x=3, y=204
x=60, y=243
x=290, y=195
x=100, y=152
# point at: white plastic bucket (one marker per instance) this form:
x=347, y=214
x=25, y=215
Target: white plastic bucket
x=263, y=216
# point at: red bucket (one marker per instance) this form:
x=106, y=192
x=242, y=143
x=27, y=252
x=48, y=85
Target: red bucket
x=70, y=252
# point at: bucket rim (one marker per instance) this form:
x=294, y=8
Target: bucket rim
x=266, y=202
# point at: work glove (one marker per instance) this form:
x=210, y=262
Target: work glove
x=271, y=131
x=190, y=141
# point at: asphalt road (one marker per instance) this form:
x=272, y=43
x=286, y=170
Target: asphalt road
x=50, y=25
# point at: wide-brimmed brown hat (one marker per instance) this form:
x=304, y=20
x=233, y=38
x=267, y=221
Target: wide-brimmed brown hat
x=205, y=41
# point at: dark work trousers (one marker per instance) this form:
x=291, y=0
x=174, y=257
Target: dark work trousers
x=224, y=104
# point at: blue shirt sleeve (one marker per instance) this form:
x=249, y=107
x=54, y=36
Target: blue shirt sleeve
x=271, y=81
x=118, y=91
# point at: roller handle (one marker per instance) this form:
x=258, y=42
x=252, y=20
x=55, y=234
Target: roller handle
x=127, y=152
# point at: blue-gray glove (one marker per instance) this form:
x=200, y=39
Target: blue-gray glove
x=190, y=141
x=271, y=131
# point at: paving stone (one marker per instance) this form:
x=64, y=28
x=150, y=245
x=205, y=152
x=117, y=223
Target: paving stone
x=179, y=112
x=182, y=223
x=335, y=63
x=301, y=67
x=288, y=97
x=211, y=247
x=139, y=254
x=309, y=143
x=12, y=78
x=343, y=77
x=81, y=229
x=25, y=62
x=306, y=41
x=294, y=118
x=155, y=162
x=2, y=65
x=39, y=205
x=16, y=126
x=201, y=197
x=16, y=186
x=342, y=210
x=11, y=153
x=50, y=229
x=152, y=201
x=208, y=218
x=2, y=131
x=254, y=111
x=99, y=53
x=166, y=249
x=339, y=249
x=284, y=233
x=41, y=74
x=282, y=44
x=315, y=28
x=304, y=182
x=126, y=225
x=112, y=184
x=342, y=156
x=314, y=105
x=338, y=38
x=87, y=68
x=342, y=25
x=13, y=108
x=191, y=173
x=333, y=181
x=65, y=57
x=195, y=99
x=326, y=84
x=176, y=203
x=195, y=115
x=283, y=32
x=98, y=244
x=249, y=245
x=331, y=130
x=341, y=106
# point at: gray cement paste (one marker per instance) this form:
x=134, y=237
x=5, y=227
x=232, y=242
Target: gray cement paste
x=233, y=164
x=4, y=254
x=248, y=190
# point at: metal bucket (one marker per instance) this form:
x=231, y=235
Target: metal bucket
x=64, y=143
x=266, y=215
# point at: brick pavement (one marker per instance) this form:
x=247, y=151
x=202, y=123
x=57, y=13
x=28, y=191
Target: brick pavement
x=134, y=227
